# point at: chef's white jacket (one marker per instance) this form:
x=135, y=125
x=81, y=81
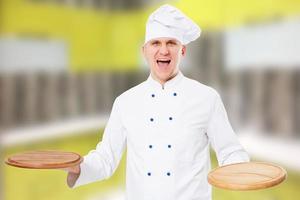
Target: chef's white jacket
x=167, y=131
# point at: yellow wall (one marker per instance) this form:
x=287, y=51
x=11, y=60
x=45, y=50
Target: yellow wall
x=111, y=40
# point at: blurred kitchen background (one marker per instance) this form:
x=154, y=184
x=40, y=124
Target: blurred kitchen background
x=62, y=63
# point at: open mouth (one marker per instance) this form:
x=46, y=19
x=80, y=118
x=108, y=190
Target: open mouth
x=163, y=62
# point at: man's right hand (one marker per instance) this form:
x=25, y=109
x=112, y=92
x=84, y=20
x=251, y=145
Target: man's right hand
x=73, y=174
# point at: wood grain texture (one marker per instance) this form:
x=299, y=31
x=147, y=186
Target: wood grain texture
x=45, y=159
x=247, y=176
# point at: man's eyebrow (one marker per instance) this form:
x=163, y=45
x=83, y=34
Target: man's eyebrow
x=152, y=41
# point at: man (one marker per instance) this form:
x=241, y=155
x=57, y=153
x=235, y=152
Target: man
x=166, y=123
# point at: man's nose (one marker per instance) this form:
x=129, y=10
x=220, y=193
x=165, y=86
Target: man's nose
x=163, y=49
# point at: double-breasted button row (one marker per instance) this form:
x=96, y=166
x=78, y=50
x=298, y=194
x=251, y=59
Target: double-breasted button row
x=169, y=146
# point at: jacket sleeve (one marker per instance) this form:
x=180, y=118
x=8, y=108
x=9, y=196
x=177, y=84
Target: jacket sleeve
x=101, y=162
x=222, y=137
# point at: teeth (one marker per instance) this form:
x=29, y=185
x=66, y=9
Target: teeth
x=164, y=61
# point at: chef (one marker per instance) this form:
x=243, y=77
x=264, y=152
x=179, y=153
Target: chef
x=166, y=123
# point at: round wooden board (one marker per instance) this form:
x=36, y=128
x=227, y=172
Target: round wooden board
x=247, y=176
x=44, y=159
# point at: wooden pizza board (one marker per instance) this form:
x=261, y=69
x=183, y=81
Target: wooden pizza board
x=247, y=176
x=44, y=159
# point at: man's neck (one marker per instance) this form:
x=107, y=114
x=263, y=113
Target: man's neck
x=162, y=82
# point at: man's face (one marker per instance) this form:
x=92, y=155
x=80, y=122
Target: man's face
x=163, y=56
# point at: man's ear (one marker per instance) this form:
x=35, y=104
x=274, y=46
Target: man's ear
x=183, y=50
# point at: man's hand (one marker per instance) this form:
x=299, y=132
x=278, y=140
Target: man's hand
x=73, y=174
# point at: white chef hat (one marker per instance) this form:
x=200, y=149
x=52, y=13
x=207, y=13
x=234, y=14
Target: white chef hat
x=168, y=21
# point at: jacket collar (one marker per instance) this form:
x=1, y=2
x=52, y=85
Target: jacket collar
x=169, y=84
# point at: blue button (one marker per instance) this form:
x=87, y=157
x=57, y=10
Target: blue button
x=150, y=146
x=149, y=174
x=174, y=94
x=151, y=119
x=169, y=146
x=152, y=95
x=170, y=118
x=169, y=174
